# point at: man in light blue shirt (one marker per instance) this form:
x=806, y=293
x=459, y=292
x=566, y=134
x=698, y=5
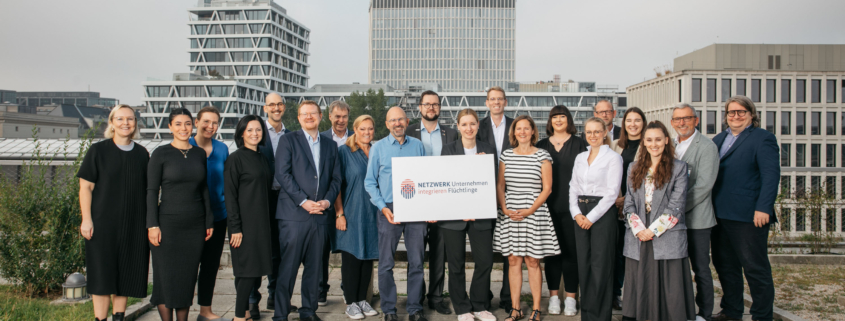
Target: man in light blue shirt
x=379, y=185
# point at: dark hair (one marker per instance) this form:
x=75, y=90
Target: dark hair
x=561, y=110
x=512, y=131
x=208, y=109
x=178, y=111
x=241, y=128
x=664, y=170
x=623, y=136
x=429, y=92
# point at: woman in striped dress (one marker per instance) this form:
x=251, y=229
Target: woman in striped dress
x=524, y=231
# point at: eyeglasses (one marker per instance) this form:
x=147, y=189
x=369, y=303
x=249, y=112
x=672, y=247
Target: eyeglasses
x=276, y=105
x=594, y=133
x=740, y=113
x=396, y=120
x=314, y=114
x=683, y=119
x=604, y=113
x=430, y=106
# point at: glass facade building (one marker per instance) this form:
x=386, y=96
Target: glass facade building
x=79, y=98
x=463, y=45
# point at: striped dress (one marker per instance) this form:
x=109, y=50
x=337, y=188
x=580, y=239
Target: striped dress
x=535, y=235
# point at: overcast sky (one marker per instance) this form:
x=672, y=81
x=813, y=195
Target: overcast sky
x=114, y=45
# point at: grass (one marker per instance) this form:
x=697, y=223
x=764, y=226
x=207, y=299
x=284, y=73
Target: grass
x=810, y=291
x=14, y=305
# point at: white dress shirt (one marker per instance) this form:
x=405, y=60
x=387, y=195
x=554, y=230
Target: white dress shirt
x=601, y=179
x=340, y=140
x=681, y=147
x=499, y=133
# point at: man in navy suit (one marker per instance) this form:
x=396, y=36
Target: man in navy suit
x=743, y=198
x=307, y=169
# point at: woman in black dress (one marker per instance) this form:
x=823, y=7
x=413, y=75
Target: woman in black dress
x=179, y=217
x=112, y=185
x=564, y=146
x=247, y=179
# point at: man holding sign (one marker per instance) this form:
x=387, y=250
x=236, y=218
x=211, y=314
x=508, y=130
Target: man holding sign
x=379, y=184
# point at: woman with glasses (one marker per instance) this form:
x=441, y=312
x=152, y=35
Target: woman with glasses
x=112, y=185
x=593, y=190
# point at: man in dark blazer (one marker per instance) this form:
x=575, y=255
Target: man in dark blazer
x=493, y=130
x=604, y=110
x=307, y=169
x=274, y=107
x=743, y=198
x=433, y=137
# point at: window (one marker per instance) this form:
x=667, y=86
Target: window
x=726, y=89
x=774, y=61
x=801, y=91
x=800, y=122
x=696, y=89
x=680, y=92
x=831, y=123
x=771, y=90
x=831, y=91
x=711, y=90
x=724, y=123
x=785, y=119
x=815, y=123
x=815, y=183
x=800, y=219
x=800, y=185
x=816, y=91
x=830, y=155
x=740, y=87
x=830, y=186
x=800, y=155
x=770, y=121
x=711, y=122
x=815, y=155
x=785, y=184
x=698, y=126
x=755, y=90
x=785, y=90
x=784, y=154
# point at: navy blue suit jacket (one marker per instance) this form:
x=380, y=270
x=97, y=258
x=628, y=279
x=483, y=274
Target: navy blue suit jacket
x=266, y=149
x=749, y=176
x=297, y=173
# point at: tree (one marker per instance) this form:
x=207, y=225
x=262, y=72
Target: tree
x=290, y=118
x=370, y=103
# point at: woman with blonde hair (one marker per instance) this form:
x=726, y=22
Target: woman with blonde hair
x=112, y=187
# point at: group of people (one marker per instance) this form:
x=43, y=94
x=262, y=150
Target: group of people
x=621, y=212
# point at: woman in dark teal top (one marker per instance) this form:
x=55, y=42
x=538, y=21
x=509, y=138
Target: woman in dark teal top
x=356, y=237
x=207, y=123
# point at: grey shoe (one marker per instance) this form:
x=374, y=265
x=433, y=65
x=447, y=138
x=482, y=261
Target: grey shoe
x=353, y=311
x=367, y=309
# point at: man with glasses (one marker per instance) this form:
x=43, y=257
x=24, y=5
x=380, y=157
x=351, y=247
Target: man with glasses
x=309, y=173
x=604, y=110
x=433, y=138
x=379, y=184
x=702, y=158
x=274, y=107
x=743, y=199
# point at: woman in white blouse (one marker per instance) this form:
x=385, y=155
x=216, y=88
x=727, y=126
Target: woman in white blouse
x=596, y=178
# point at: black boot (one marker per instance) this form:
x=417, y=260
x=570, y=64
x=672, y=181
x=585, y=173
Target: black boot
x=118, y=316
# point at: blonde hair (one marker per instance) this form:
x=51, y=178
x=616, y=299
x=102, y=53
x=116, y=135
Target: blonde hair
x=109, y=133
x=603, y=125
x=352, y=141
x=499, y=89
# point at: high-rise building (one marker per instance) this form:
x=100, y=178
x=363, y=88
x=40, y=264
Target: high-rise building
x=798, y=91
x=240, y=51
x=463, y=45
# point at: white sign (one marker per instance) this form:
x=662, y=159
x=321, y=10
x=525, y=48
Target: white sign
x=440, y=188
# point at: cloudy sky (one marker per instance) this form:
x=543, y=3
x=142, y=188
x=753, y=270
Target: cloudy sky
x=112, y=46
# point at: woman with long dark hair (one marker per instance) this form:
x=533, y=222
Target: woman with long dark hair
x=563, y=146
x=658, y=284
x=179, y=217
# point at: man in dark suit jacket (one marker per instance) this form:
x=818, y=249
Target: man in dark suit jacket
x=274, y=106
x=310, y=177
x=433, y=137
x=743, y=198
x=604, y=110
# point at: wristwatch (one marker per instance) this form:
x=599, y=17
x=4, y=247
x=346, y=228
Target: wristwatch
x=341, y=215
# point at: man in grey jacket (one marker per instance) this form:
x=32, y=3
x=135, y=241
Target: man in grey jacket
x=702, y=157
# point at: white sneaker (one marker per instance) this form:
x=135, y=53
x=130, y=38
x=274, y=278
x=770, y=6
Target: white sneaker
x=699, y=318
x=367, y=309
x=466, y=317
x=484, y=316
x=569, y=307
x=354, y=311
x=554, y=305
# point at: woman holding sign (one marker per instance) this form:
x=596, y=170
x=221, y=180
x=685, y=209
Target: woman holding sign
x=525, y=232
x=479, y=232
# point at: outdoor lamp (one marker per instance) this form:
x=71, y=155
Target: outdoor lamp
x=74, y=288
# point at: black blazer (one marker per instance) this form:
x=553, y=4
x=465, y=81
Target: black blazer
x=297, y=173
x=616, y=131
x=485, y=132
x=266, y=149
x=749, y=176
x=447, y=134
x=457, y=148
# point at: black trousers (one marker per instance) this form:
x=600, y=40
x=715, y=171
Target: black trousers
x=355, y=275
x=737, y=247
x=596, y=250
x=255, y=296
x=243, y=289
x=327, y=251
x=619, y=259
x=210, y=264
x=481, y=244
x=565, y=263
x=436, y=264
x=698, y=242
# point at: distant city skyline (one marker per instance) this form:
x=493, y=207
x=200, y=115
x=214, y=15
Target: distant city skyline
x=112, y=46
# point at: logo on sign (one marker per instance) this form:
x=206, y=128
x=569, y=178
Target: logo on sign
x=407, y=189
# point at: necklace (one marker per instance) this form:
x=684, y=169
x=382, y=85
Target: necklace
x=184, y=152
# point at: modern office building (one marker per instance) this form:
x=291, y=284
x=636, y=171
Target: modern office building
x=79, y=98
x=21, y=122
x=463, y=45
x=240, y=51
x=798, y=92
